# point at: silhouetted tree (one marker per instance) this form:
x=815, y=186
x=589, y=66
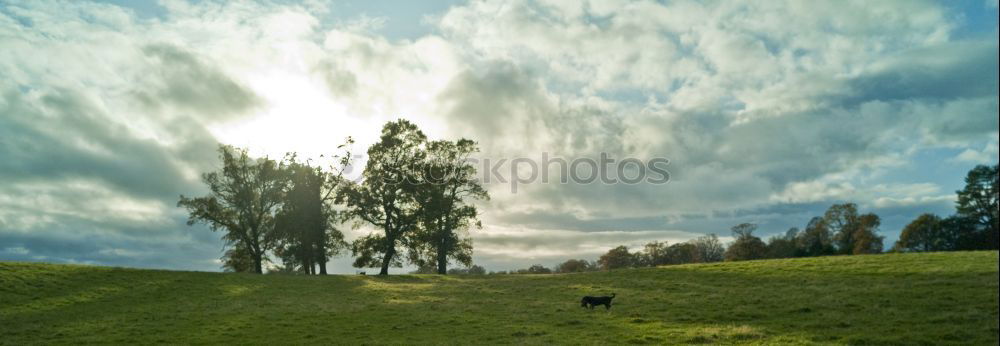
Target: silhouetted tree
x=746, y=246
x=386, y=197
x=243, y=198
x=978, y=202
x=447, y=183
x=965, y=231
x=305, y=221
x=616, y=258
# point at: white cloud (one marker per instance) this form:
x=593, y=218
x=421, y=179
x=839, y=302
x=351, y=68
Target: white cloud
x=986, y=155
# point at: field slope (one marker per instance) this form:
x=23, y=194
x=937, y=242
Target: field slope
x=930, y=298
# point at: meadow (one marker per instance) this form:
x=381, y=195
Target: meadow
x=927, y=298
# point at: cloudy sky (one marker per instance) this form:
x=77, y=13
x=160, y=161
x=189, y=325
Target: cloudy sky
x=768, y=112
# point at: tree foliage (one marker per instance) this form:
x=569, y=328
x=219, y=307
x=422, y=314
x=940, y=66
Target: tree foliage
x=783, y=246
x=447, y=183
x=710, y=249
x=925, y=233
x=307, y=237
x=386, y=197
x=576, y=266
x=815, y=240
x=242, y=201
x=746, y=246
x=978, y=202
x=853, y=233
x=616, y=258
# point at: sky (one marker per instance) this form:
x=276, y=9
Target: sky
x=768, y=112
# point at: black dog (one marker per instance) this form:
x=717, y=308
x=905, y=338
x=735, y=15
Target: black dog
x=590, y=302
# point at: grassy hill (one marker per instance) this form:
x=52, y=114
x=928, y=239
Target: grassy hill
x=898, y=298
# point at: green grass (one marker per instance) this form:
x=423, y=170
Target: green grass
x=930, y=298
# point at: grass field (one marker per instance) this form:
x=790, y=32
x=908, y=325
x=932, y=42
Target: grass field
x=930, y=298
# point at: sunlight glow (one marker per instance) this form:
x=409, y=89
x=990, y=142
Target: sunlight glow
x=299, y=116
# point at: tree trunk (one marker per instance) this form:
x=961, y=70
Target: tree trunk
x=257, y=267
x=442, y=258
x=321, y=254
x=321, y=260
x=387, y=259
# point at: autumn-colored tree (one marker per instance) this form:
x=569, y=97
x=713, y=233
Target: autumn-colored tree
x=925, y=233
x=853, y=233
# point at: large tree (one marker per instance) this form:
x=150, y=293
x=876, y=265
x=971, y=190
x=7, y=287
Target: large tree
x=242, y=201
x=306, y=220
x=653, y=254
x=386, y=196
x=925, y=233
x=747, y=246
x=446, y=187
x=681, y=253
x=853, y=233
x=576, y=266
x=783, y=246
x=710, y=249
x=616, y=258
x=978, y=201
x=866, y=238
x=965, y=231
x=815, y=240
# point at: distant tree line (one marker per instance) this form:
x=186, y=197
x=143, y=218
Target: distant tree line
x=842, y=230
x=417, y=195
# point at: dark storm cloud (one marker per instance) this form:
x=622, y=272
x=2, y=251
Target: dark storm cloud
x=61, y=134
x=190, y=84
x=147, y=245
x=945, y=71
